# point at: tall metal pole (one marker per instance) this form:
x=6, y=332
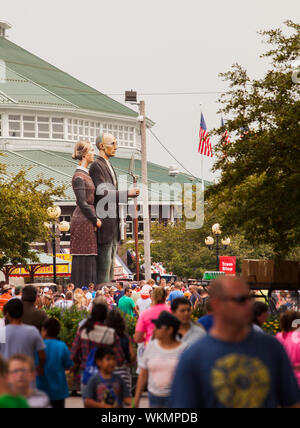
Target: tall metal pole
x=54, y=252
x=218, y=253
x=136, y=233
x=147, y=255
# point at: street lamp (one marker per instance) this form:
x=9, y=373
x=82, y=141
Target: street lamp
x=63, y=227
x=226, y=242
x=209, y=241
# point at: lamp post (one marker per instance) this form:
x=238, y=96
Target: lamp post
x=209, y=241
x=63, y=227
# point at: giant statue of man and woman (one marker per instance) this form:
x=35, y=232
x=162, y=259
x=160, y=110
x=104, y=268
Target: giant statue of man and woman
x=95, y=224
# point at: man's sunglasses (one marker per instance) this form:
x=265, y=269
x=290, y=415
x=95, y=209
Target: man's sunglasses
x=114, y=143
x=240, y=300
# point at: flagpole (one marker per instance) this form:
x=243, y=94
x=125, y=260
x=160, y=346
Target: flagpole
x=202, y=174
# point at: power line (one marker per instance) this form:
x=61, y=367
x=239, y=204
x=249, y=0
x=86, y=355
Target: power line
x=76, y=93
x=172, y=93
x=168, y=151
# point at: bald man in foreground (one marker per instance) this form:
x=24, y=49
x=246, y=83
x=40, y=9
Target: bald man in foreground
x=234, y=366
x=107, y=202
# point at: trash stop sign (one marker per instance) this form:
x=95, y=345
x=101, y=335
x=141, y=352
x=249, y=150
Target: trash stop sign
x=227, y=265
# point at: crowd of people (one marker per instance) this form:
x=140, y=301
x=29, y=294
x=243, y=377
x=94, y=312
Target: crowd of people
x=220, y=359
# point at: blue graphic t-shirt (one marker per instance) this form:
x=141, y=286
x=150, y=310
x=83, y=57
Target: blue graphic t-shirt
x=255, y=373
x=207, y=321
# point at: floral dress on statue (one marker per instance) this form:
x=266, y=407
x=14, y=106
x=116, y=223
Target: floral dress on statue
x=83, y=234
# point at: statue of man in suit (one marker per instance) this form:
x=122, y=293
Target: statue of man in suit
x=107, y=206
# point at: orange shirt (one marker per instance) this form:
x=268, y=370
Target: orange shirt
x=4, y=299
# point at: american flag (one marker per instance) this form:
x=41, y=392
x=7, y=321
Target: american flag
x=204, y=141
x=225, y=136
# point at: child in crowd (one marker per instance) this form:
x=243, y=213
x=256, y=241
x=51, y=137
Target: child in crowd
x=21, y=377
x=105, y=390
x=54, y=381
x=159, y=361
x=7, y=400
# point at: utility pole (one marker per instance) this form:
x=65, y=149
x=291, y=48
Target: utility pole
x=135, y=219
x=147, y=255
x=136, y=234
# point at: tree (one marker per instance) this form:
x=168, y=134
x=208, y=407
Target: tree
x=184, y=252
x=179, y=250
x=259, y=189
x=23, y=213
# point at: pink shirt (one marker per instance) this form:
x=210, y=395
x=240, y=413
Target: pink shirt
x=145, y=325
x=291, y=343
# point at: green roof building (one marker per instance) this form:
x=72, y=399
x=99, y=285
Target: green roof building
x=44, y=107
x=45, y=111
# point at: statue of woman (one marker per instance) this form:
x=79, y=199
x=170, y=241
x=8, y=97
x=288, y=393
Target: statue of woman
x=84, y=222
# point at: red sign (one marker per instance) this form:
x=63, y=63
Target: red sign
x=227, y=265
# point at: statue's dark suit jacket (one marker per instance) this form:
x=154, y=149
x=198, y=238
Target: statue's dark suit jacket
x=107, y=198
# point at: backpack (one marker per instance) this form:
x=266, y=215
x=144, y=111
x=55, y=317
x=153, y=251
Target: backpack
x=90, y=368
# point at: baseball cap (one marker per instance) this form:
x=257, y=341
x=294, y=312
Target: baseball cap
x=7, y=287
x=166, y=319
x=46, y=289
x=84, y=288
x=146, y=290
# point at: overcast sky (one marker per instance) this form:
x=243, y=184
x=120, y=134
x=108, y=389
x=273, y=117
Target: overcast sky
x=152, y=46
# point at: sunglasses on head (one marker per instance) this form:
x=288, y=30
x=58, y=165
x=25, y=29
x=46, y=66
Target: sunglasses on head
x=240, y=300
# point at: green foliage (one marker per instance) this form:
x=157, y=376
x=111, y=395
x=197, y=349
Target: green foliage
x=177, y=249
x=69, y=320
x=184, y=252
x=130, y=323
x=23, y=212
x=259, y=188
